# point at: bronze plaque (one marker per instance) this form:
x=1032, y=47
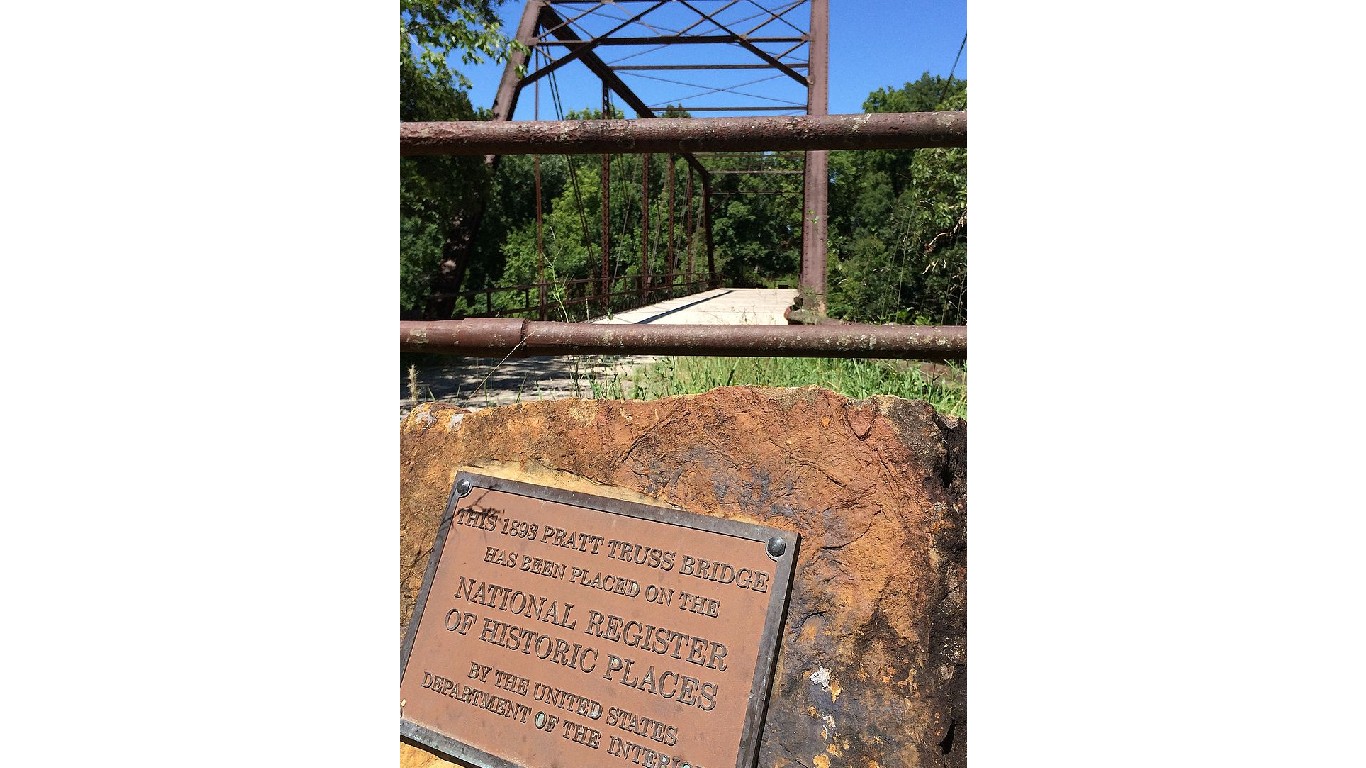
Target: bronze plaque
x=562, y=629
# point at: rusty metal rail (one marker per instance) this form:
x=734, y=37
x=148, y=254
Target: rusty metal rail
x=909, y=130
x=487, y=337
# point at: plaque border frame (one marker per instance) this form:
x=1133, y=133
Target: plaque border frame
x=774, y=616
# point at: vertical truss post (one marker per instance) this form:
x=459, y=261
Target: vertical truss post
x=644, y=227
x=715, y=280
x=540, y=237
x=815, y=231
x=669, y=257
x=604, y=294
x=689, y=231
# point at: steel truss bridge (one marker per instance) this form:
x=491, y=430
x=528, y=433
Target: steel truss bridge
x=762, y=66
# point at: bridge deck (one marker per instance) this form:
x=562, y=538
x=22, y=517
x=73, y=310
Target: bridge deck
x=480, y=382
x=723, y=306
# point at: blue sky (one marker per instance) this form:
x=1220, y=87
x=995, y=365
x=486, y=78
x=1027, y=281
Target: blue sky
x=872, y=45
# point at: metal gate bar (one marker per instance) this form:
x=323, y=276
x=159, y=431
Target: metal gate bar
x=906, y=130
x=502, y=338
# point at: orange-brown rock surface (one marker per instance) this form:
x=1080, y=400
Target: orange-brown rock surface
x=871, y=667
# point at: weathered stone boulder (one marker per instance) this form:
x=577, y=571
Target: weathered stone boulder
x=871, y=667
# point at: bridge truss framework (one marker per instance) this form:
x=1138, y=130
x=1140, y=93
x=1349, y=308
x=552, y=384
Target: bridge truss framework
x=785, y=42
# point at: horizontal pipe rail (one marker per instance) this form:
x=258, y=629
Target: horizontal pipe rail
x=900, y=130
x=502, y=338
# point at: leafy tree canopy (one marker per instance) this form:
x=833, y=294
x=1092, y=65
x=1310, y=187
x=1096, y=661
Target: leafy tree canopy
x=439, y=196
x=924, y=95
x=898, y=221
x=432, y=31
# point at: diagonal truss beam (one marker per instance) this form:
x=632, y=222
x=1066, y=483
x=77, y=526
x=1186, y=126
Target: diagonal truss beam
x=580, y=52
x=751, y=47
x=552, y=21
x=775, y=15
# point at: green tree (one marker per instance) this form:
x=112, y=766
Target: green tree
x=434, y=31
x=434, y=192
x=440, y=198
x=569, y=235
x=572, y=236
x=757, y=221
x=898, y=221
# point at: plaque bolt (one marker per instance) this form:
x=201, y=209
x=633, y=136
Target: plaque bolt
x=462, y=487
x=776, y=547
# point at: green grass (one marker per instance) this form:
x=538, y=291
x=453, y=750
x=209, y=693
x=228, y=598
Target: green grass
x=857, y=379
